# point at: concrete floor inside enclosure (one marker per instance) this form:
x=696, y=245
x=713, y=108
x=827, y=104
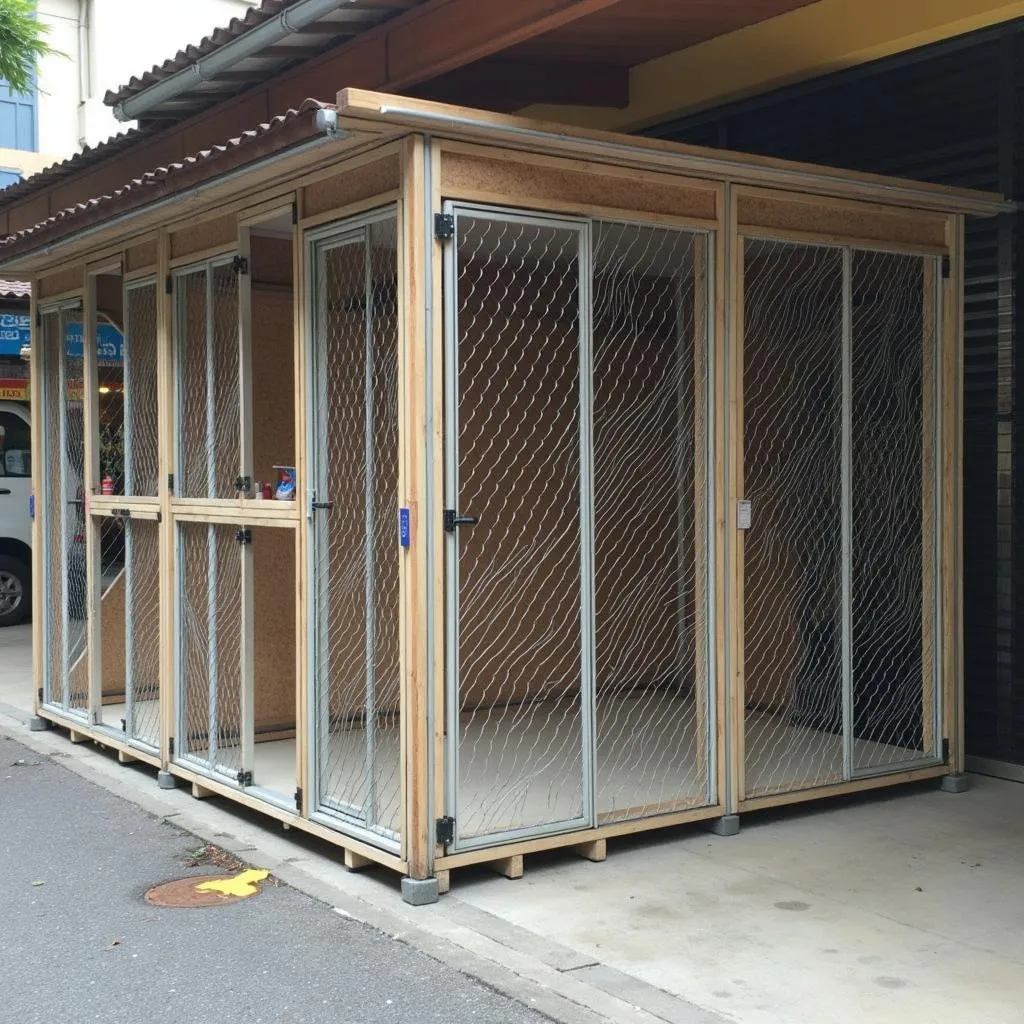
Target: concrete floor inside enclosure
x=899, y=906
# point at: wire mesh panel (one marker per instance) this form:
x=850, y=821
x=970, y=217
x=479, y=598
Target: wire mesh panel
x=893, y=479
x=208, y=395
x=140, y=390
x=357, y=764
x=650, y=527
x=210, y=647
x=51, y=508
x=519, y=663
x=142, y=633
x=793, y=467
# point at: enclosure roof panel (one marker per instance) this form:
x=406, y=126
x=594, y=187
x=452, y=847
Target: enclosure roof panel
x=279, y=135
x=265, y=41
x=15, y=289
x=359, y=107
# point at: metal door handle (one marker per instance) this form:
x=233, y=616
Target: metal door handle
x=452, y=519
x=5, y=490
x=328, y=505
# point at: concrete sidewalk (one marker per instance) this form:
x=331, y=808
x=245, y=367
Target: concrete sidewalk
x=895, y=908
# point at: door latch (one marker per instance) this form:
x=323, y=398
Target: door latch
x=452, y=519
x=744, y=515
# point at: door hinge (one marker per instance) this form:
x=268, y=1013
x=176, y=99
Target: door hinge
x=298, y=798
x=947, y=268
x=245, y=778
x=243, y=483
x=39, y=319
x=170, y=482
x=945, y=750
x=240, y=265
x=40, y=694
x=170, y=747
x=444, y=226
x=445, y=831
x=124, y=725
x=244, y=536
x=169, y=285
x=295, y=213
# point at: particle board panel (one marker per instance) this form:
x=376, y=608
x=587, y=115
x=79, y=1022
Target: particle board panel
x=273, y=370
x=835, y=220
x=352, y=185
x=273, y=553
x=141, y=255
x=202, y=237
x=557, y=184
x=60, y=282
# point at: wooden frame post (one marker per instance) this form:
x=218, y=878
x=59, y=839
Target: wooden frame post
x=37, y=392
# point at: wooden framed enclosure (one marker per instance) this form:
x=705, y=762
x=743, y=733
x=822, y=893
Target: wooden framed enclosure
x=626, y=485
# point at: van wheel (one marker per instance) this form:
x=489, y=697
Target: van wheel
x=15, y=591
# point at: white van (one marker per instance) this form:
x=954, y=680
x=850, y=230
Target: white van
x=15, y=522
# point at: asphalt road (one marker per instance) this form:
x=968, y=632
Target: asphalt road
x=85, y=946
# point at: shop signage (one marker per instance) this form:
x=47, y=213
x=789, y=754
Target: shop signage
x=16, y=331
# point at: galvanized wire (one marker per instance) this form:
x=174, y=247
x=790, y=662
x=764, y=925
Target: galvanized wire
x=140, y=390
x=356, y=556
x=209, y=412
x=521, y=643
x=650, y=466
x=142, y=632
x=891, y=644
x=793, y=449
x=51, y=509
x=211, y=647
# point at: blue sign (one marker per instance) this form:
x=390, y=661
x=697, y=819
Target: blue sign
x=404, y=529
x=15, y=332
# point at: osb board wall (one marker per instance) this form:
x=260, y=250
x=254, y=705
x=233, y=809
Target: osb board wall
x=110, y=297
x=203, y=236
x=762, y=209
x=67, y=280
x=140, y=256
x=512, y=179
x=273, y=559
x=112, y=621
x=273, y=376
x=351, y=186
x=271, y=259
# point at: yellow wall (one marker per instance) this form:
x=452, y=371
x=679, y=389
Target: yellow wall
x=826, y=36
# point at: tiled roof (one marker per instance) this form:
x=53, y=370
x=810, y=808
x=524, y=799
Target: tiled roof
x=139, y=191
x=15, y=289
x=347, y=19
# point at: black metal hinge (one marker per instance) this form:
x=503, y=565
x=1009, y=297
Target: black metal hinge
x=445, y=830
x=169, y=285
x=240, y=265
x=945, y=750
x=444, y=226
x=170, y=747
x=170, y=482
x=244, y=536
x=39, y=319
x=295, y=213
x=124, y=725
x=245, y=778
x=243, y=483
x=947, y=268
x=40, y=693
x=298, y=798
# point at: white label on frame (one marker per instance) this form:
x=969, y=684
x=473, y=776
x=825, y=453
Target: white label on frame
x=743, y=515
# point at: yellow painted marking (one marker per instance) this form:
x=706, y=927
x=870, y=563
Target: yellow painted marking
x=241, y=885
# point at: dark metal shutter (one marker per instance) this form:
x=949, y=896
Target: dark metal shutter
x=945, y=114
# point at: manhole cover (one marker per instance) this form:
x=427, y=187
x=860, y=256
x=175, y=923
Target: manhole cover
x=183, y=893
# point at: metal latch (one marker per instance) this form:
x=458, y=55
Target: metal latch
x=245, y=778
x=244, y=536
x=452, y=519
x=445, y=831
x=744, y=514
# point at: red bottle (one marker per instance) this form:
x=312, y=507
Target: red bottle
x=107, y=485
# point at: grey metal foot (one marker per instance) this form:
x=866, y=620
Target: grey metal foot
x=419, y=892
x=165, y=780
x=727, y=825
x=37, y=724
x=954, y=784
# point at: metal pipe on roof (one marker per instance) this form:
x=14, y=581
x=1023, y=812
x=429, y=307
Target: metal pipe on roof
x=225, y=57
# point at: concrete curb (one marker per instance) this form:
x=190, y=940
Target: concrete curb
x=551, y=979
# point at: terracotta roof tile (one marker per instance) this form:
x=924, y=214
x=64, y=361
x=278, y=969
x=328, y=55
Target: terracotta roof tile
x=131, y=194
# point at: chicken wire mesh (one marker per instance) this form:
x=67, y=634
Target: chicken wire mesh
x=142, y=633
x=650, y=530
x=793, y=451
x=53, y=511
x=208, y=395
x=520, y=660
x=140, y=390
x=210, y=653
x=355, y=558
x=893, y=345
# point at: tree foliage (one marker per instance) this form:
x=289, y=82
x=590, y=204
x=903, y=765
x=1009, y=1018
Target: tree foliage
x=22, y=43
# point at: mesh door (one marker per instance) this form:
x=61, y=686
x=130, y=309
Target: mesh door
x=520, y=660
x=142, y=632
x=208, y=396
x=793, y=436
x=893, y=481
x=650, y=526
x=51, y=506
x=140, y=390
x=210, y=653
x=357, y=763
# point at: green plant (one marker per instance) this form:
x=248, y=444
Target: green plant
x=22, y=43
